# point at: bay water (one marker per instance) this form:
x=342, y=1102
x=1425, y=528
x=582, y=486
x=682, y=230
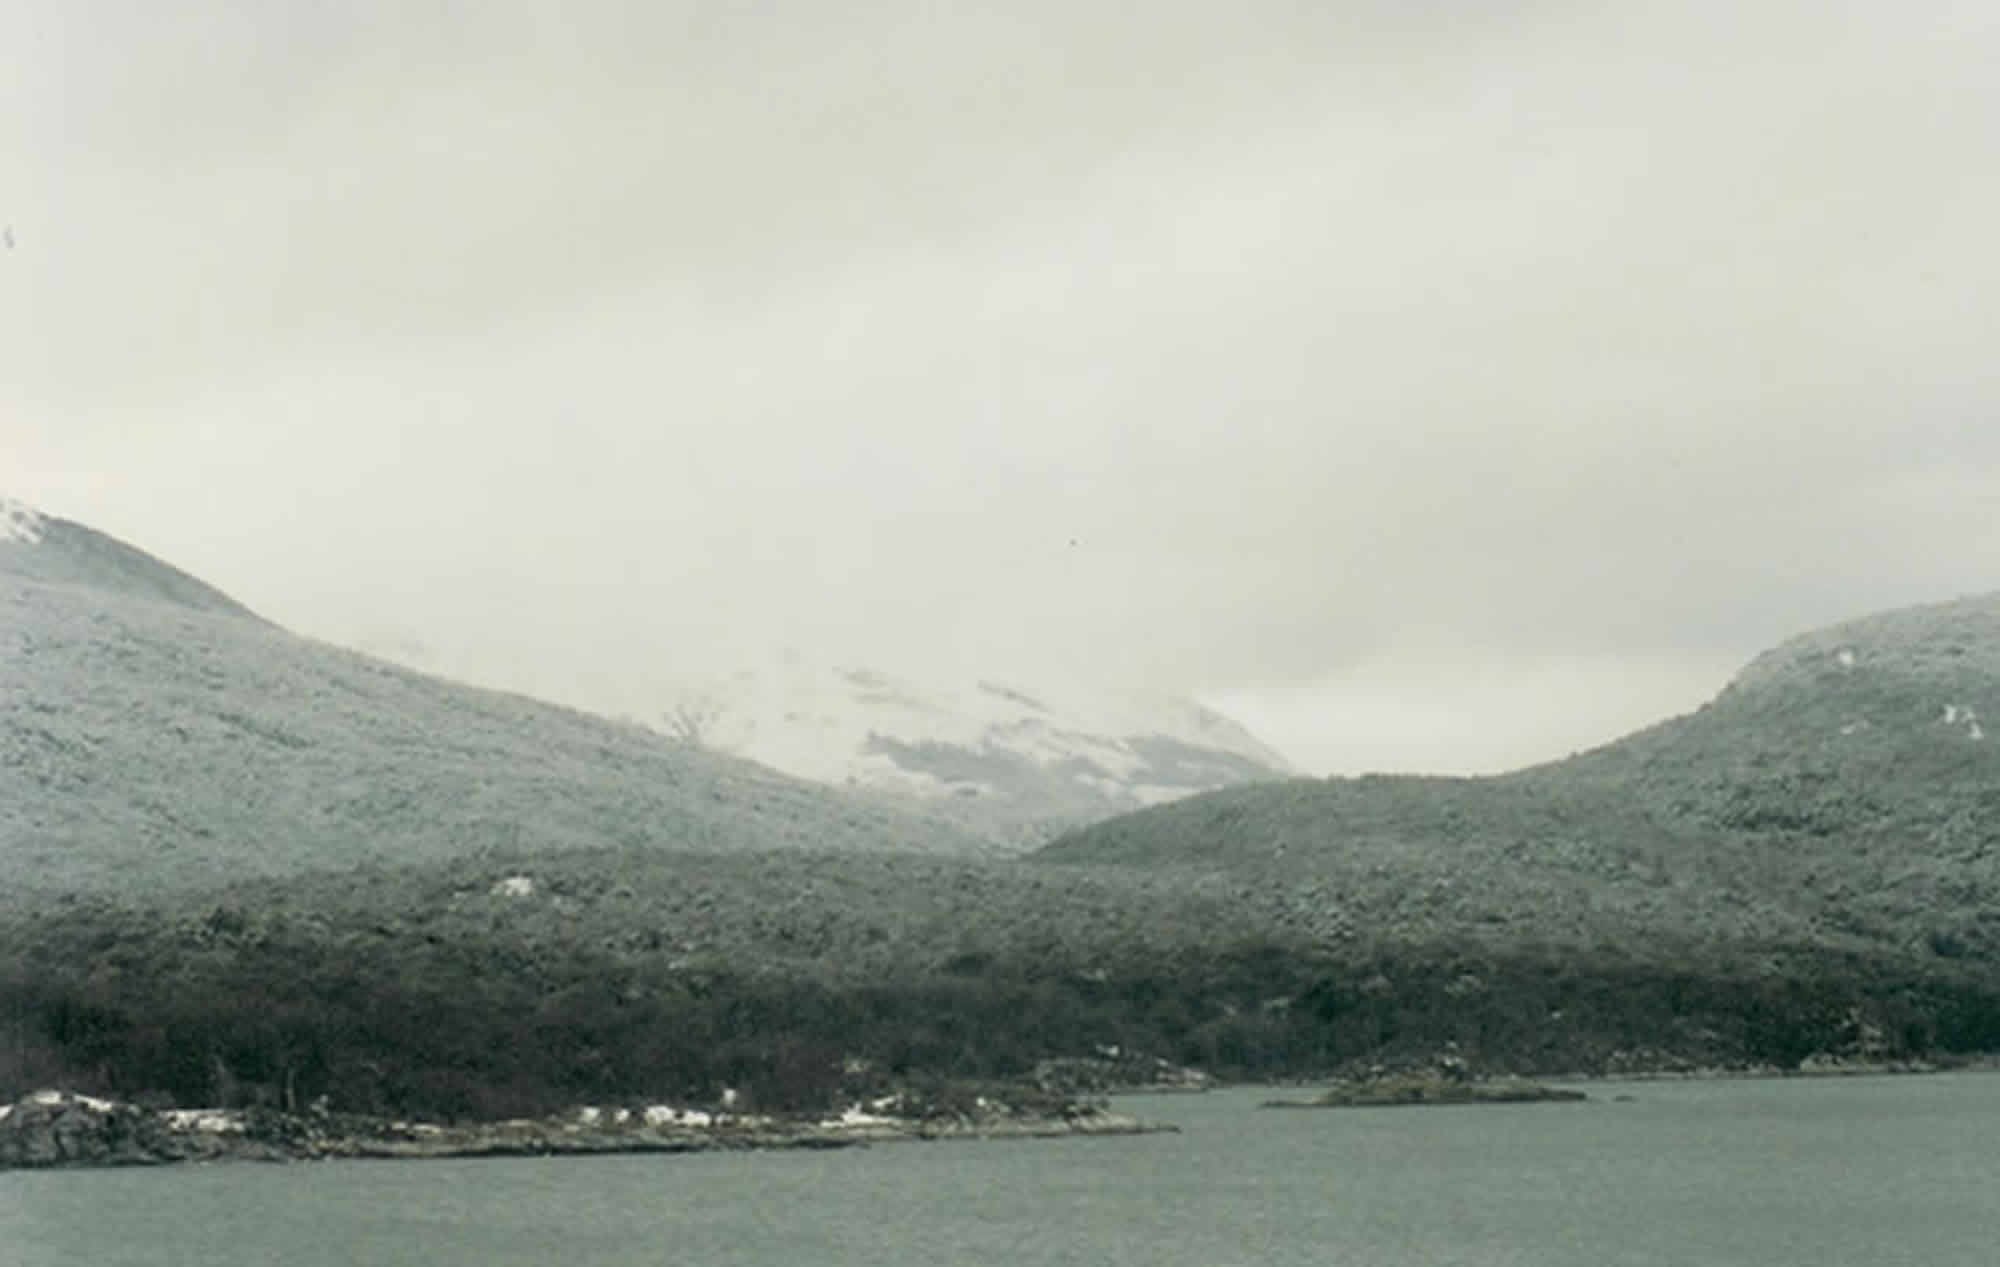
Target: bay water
x=1757, y=1173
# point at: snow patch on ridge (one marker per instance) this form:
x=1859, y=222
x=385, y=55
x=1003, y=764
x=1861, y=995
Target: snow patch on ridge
x=20, y=522
x=818, y=723
x=996, y=748
x=849, y=726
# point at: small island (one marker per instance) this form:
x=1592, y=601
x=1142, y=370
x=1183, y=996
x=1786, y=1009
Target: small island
x=1428, y=1088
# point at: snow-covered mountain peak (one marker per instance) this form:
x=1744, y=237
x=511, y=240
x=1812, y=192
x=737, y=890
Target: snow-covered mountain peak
x=19, y=521
x=1023, y=760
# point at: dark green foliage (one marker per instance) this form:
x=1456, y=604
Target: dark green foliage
x=629, y=978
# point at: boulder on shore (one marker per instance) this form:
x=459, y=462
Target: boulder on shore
x=60, y=1128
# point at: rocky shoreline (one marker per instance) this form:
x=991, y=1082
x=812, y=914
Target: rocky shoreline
x=60, y=1129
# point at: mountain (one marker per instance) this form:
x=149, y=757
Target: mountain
x=1841, y=791
x=249, y=869
x=1016, y=762
x=154, y=731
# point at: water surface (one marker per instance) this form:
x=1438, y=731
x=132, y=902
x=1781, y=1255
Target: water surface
x=1795, y=1173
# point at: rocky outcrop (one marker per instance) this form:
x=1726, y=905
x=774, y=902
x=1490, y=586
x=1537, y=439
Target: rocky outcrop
x=55, y=1128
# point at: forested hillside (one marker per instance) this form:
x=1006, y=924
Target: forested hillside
x=1842, y=790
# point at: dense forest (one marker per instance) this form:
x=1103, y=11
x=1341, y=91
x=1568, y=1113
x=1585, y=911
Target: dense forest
x=416, y=993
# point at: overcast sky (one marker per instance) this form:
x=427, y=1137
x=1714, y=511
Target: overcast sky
x=1434, y=385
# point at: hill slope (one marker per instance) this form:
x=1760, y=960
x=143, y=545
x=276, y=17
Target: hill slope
x=1868, y=728
x=69, y=554
x=153, y=731
x=1842, y=787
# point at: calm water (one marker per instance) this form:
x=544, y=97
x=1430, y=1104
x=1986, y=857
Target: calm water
x=1874, y=1171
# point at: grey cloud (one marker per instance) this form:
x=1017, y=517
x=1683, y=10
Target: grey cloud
x=584, y=338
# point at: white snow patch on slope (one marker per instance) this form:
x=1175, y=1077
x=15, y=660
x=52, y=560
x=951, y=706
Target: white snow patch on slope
x=209, y=1121
x=1846, y=657
x=19, y=522
x=1954, y=714
x=817, y=722
x=54, y=1098
x=854, y=1116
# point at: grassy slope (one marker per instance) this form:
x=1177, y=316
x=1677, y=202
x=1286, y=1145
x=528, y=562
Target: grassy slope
x=70, y=554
